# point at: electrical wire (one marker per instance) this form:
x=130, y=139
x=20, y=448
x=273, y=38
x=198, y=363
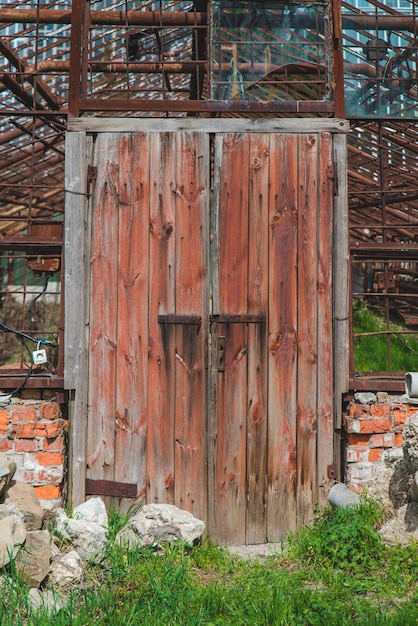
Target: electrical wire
x=19, y=333
x=24, y=381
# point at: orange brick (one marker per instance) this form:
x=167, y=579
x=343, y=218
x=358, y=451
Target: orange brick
x=48, y=492
x=412, y=410
x=398, y=441
x=380, y=410
x=50, y=411
x=53, y=429
x=381, y=440
x=355, y=439
x=376, y=426
x=352, y=410
x=37, y=429
x=399, y=418
x=362, y=411
x=375, y=454
x=5, y=444
x=50, y=458
x=25, y=445
x=24, y=413
x=56, y=443
x=4, y=422
x=24, y=431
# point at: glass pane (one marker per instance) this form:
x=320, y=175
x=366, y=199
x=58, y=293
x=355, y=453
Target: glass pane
x=267, y=51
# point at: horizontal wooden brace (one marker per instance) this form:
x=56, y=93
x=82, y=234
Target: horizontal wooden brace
x=110, y=488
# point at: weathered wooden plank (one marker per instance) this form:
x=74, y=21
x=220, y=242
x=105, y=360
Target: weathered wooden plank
x=341, y=292
x=76, y=281
x=209, y=125
x=232, y=382
x=212, y=422
x=132, y=298
x=192, y=195
x=259, y=165
x=282, y=375
x=308, y=199
x=161, y=401
x=103, y=311
x=325, y=443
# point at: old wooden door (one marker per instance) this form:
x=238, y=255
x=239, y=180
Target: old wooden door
x=210, y=374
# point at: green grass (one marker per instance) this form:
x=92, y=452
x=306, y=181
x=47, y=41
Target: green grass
x=336, y=570
x=371, y=353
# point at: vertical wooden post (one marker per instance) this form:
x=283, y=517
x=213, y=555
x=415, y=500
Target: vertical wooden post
x=341, y=294
x=76, y=282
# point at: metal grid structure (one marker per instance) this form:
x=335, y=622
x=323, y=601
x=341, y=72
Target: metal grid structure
x=381, y=97
x=63, y=58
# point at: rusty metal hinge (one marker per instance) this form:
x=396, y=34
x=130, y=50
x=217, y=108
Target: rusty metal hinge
x=91, y=174
x=332, y=471
x=332, y=174
x=221, y=353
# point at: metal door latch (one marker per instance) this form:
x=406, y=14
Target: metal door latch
x=221, y=353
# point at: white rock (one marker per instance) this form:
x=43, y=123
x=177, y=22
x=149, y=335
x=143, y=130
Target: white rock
x=93, y=510
x=410, y=441
x=67, y=569
x=160, y=523
x=12, y=533
x=88, y=538
x=404, y=527
x=47, y=600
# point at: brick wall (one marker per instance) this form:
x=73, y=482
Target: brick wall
x=373, y=429
x=32, y=434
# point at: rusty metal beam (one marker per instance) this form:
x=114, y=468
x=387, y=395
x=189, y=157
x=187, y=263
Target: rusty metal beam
x=380, y=22
x=386, y=250
x=104, y=18
x=52, y=245
x=337, y=60
x=20, y=92
x=21, y=66
x=171, y=67
x=9, y=380
x=181, y=19
x=377, y=382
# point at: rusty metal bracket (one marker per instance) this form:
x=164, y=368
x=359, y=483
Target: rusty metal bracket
x=195, y=320
x=244, y=318
x=110, y=488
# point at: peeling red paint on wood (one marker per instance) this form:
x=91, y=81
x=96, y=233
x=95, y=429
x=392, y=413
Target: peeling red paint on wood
x=103, y=320
x=192, y=220
x=161, y=375
x=150, y=322
x=233, y=298
x=282, y=360
x=131, y=376
x=307, y=397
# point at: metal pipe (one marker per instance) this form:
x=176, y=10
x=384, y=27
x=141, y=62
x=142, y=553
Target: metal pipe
x=104, y=18
x=172, y=67
x=190, y=18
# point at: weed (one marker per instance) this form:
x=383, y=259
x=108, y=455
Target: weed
x=335, y=571
x=371, y=351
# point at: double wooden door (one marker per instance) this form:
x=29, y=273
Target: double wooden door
x=210, y=367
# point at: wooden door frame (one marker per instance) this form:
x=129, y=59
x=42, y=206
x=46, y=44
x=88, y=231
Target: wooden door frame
x=79, y=178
